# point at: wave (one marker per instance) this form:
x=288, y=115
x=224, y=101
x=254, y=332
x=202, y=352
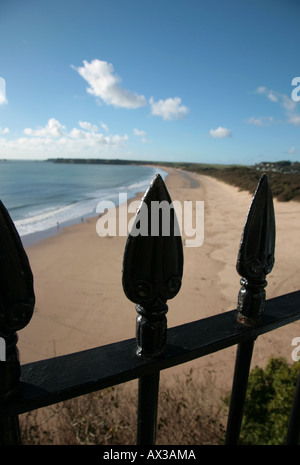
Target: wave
x=52, y=217
x=48, y=217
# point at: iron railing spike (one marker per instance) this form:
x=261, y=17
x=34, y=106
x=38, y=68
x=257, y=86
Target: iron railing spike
x=152, y=265
x=152, y=273
x=17, y=297
x=255, y=260
x=153, y=262
x=256, y=253
x=16, y=308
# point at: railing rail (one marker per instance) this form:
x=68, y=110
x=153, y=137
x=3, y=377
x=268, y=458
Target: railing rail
x=152, y=272
x=63, y=377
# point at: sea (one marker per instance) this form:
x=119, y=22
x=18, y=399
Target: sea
x=42, y=196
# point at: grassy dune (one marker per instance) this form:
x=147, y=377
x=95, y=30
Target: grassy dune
x=285, y=181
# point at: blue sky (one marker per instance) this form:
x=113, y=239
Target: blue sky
x=170, y=80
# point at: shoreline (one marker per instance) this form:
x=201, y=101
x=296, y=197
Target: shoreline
x=31, y=239
x=80, y=302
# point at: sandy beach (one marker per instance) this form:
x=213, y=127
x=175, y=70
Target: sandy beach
x=80, y=301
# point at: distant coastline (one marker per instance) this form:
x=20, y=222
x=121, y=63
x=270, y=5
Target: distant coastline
x=118, y=161
x=284, y=175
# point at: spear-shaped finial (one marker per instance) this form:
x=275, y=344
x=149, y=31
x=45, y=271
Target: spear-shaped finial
x=16, y=281
x=16, y=307
x=152, y=266
x=16, y=299
x=256, y=254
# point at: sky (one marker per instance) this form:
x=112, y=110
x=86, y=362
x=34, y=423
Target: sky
x=170, y=80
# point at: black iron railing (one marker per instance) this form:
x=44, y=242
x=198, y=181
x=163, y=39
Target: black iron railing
x=152, y=272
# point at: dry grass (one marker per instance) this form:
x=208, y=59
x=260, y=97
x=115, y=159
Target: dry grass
x=187, y=415
x=285, y=186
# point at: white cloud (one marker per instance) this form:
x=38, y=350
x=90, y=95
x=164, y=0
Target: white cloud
x=88, y=126
x=78, y=134
x=272, y=97
x=52, y=129
x=104, y=126
x=104, y=83
x=141, y=134
x=261, y=121
x=220, y=133
x=291, y=151
x=169, y=109
x=294, y=119
x=286, y=102
x=4, y=131
x=54, y=140
x=261, y=90
x=269, y=93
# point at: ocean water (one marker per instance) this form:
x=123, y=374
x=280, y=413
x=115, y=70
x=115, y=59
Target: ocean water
x=42, y=196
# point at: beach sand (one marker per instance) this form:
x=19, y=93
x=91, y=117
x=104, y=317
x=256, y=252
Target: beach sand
x=80, y=302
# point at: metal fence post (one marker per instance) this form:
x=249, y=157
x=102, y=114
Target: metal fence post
x=255, y=261
x=16, y=308
x=152, y=273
